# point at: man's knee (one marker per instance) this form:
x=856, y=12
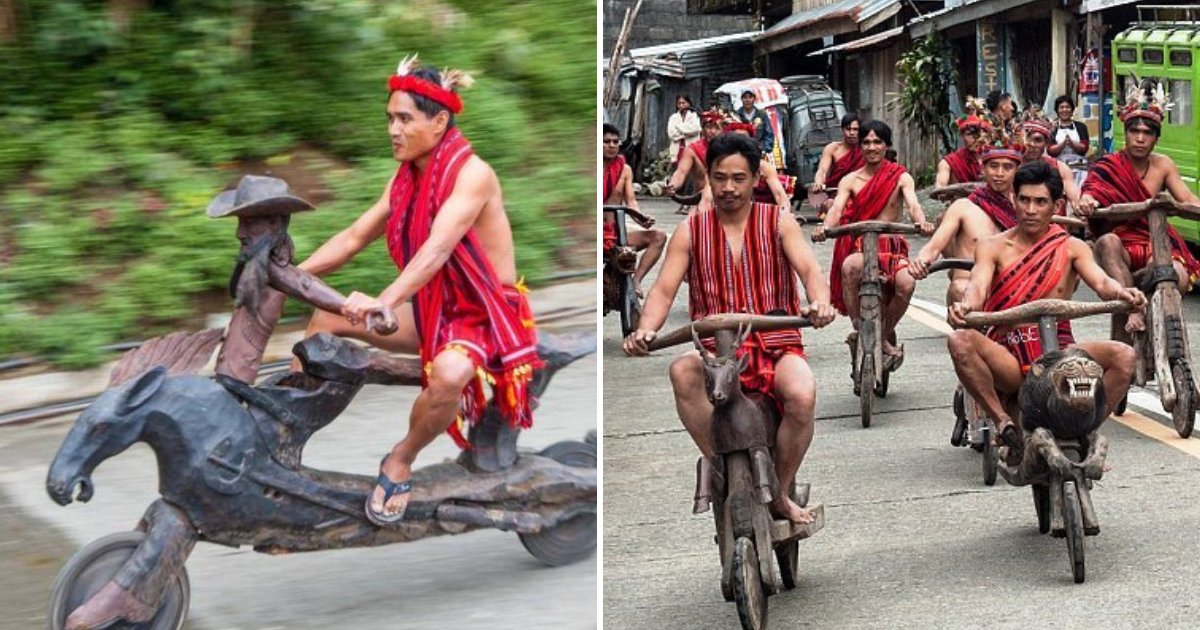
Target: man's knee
x=904, y=284
x=686, y=372
x=797, y=394
x=1109, y=248
x=852, y=268
x=450, y=373
x=658, y=237
x=961, y=345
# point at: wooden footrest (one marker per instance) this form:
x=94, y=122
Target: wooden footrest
x=784, y=531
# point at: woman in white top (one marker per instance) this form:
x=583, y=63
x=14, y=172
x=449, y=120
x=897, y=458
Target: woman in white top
x=683, y=127
x=1070, y=141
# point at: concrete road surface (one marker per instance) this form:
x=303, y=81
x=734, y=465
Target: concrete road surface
x=913, y=537
x=483, y=580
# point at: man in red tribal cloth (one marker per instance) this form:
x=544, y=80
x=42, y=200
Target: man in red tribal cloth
x=1031, y=261
x=457, y=298
x=618, y=190
x=768, y=188
x=1037, y=134
x=987, y=210
x=1133, y=175
x=692, y=158
x=962, y=166
x=838, y=159
x=743, y=257
x=874, y=193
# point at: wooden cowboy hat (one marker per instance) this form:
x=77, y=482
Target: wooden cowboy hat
x=257, y=196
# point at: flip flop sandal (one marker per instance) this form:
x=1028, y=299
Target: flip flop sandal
x=390, y=489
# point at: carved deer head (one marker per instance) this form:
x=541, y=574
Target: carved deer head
x=721, y=370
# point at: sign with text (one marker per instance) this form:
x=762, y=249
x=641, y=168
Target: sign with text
x=991, y=41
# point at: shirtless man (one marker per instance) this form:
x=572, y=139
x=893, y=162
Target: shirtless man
x=962, y=166
x=1037, y=138
x=989, y=209
x=712, y=248
x=456, y=298
x=874, y=192
x=691, y=160
x=618, y=191
x=1034, y=260
x=1133, y=175
x=838, y=159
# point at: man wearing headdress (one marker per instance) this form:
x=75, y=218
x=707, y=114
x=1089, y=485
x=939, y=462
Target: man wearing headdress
x=1133, y=175
x=618, y=190
x=457, y=297
x=1035, y=259
x=1035, y=134
x=874, y=193
x=962, y=166
x=987, y=210
x=692, y=158
x=768, y=186
x=838, y=159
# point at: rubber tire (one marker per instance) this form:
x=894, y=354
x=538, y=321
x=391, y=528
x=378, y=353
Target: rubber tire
x=575, y=539
x=1184, y=413
x=959, y=433
x=90, y=568
x=866, y=388
x=631, y=310
x=1073, y=517
x=789, y=563
x=748, y=593
x=989, y=461
x=1041, y=505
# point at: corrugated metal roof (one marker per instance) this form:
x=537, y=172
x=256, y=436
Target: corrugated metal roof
x=861, y=42
x=679, y=48
x=857, y=11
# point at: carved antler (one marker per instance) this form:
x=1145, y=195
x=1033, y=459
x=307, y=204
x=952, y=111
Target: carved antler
x=1031, y=311
x=696, y=340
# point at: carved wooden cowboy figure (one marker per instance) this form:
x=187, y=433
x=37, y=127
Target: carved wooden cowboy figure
x=457, y=297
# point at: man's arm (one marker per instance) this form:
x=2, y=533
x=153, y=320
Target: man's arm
x=1174, y=183
x=475, y=185
x=1070, y=190
x=804, y=263
x=823, y=166
x=344, y=245
x=682, y=169
x=951, y=222
x=943, y=174
x=834, y=216
x=626, y=188
x=1105, y=286
x=776, y=186
x=662, y=294
x=980, y=282
x=908, y=188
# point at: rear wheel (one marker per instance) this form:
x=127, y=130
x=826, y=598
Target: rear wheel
x=1184, y=413
x=1073, y=515
x=748, y=593
x=93, y=566
x=575, y=538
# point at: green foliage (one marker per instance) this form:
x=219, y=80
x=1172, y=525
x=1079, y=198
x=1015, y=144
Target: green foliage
x=925, y=73
x=117, y=136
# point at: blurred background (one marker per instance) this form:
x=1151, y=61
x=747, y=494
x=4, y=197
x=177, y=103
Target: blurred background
x=121, y=119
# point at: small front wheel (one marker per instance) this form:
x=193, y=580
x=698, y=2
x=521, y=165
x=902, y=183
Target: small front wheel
x=631, y=309
x=1184, y=413
x=92, y=567
x=748, y=593
x=1073, y=515
x=958, y=435
x=989, y=458
x=866, y=387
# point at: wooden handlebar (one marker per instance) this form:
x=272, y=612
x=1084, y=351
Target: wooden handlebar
x=862, y=227
x=728, y=321
x=1060, y=309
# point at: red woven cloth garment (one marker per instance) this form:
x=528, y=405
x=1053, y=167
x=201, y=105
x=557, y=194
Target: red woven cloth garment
x=761, y=281
x=1114, y=180
x=463, y=307
x=997, y=206
x=964, y=166
x=700, y=148
x=868, y=204
x=612, y=175
x=1032, y=277
x=762, y=191
x=843, y=166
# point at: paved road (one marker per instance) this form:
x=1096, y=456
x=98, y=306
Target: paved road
x=483, y=580
x=913, y=537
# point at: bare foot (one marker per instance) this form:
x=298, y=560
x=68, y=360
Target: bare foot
x=396, y=471
x=784, y=507
x=1135, y=322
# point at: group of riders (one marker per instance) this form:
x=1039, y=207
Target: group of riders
x=739, y=254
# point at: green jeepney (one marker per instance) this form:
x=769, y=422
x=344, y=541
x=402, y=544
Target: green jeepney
x=1166, y=52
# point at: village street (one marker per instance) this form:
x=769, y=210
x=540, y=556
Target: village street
x=913, y=538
